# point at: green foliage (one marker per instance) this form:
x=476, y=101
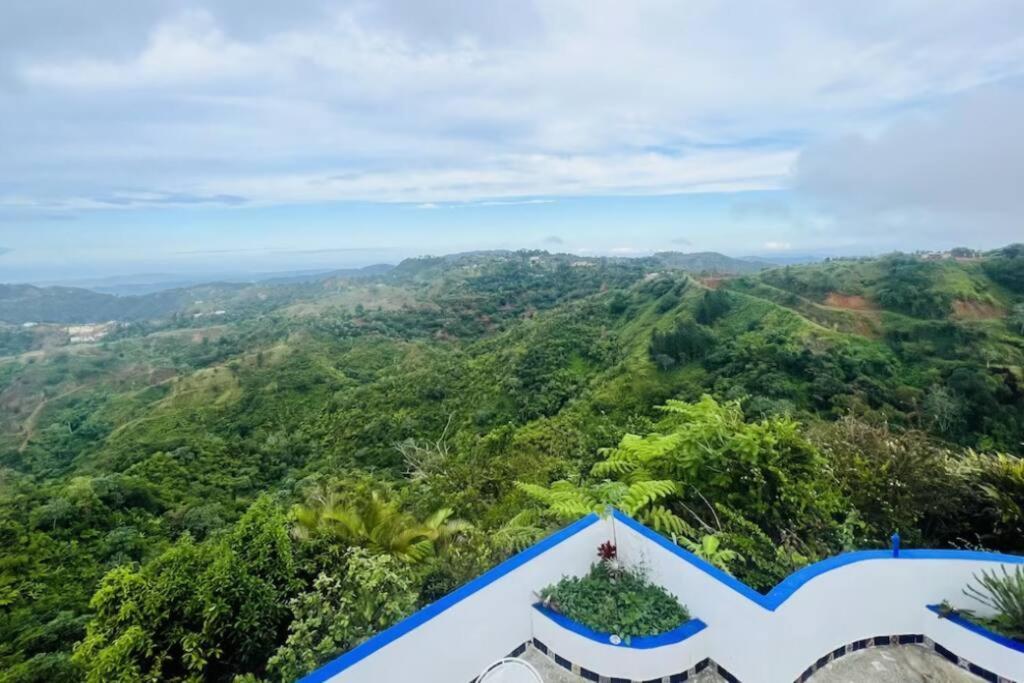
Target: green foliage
x=706, y=464
x=999, y=479
x=340, y=611
x=710, y=549
x=687, y=341
x=1004, y=594
x=713, y=305
x=908, y=287
x=1007, y=267
x=1016, y=319
x=766, y=470
x=197, y=611
x=617, y=601
x=896, y=482
x=375, y=523
x=128, y=468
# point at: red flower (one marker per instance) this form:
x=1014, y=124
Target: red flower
x=607, y=551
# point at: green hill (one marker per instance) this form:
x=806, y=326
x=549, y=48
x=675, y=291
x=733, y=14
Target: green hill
x=443, y=381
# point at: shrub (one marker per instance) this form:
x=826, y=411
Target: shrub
x=617, y=601
x=1005, y=595
x=687, y=342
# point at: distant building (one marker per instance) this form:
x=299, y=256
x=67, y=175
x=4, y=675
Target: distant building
x=84, y=334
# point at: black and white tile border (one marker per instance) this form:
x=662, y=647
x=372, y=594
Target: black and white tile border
x=877, y=641
x=589, y=675
x=903, y=639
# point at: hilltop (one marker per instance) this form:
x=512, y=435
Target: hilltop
x=444, y=380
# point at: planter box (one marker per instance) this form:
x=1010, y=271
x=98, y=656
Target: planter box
x=643, y=658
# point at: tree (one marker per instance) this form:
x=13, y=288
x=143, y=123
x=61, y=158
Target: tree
x=895, y=481
x=908, y=288
x=1007, y=267
x=943, y=410
x=377, y=523
x=1017, y=318
x=705, y=462
x=713, y=305
x=767, y=470
x=199, y=611
x=688, y=341
x=373, y=592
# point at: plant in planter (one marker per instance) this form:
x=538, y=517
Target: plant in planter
x=616, y=600
x=1003, y=594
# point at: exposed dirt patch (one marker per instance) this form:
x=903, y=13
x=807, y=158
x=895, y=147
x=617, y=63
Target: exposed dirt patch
x=712, y=282
x=851, y=302
x=976, y=310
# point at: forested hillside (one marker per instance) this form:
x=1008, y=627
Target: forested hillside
x=247, y=481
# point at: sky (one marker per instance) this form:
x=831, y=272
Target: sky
x=251, y=136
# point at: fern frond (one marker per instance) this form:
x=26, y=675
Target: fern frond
x=643, y=493
x=664, y=521
x=613, y=467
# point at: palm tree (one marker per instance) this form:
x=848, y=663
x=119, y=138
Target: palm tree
x=376, y=523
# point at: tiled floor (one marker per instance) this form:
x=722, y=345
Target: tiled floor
x=548, y=670
x=552, y=673
x=902, y=664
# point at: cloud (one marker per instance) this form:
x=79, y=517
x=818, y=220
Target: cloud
x=279, y=250
x=553, y=239
x=776, y=246
x=460, y=103
x=506, y=178
x=5, y=250
x=682, y=241
x=952, y=174
x=465, y=204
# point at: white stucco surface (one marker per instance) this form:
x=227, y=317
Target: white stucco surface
x=457, y=644
x=874, y=597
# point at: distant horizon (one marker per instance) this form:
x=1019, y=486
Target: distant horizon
x=212, y=137
x=85, y=277
x=161, y=280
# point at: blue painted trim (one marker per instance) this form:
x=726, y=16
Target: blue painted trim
x=676, y=635
x=979, y=629
x=424, y=615
x=771, y=601
x=782, y=592
x=656, y=538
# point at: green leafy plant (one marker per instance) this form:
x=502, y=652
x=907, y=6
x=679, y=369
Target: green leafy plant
x=371, y=593
x=376, y=523
x=638, y=497
x=1005, y=595
x=617, y=601
x=710, y=549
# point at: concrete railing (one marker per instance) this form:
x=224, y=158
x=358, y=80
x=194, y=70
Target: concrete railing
x=853, y=598
x=453, y=639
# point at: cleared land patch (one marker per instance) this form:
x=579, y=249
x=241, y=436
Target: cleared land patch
x=976, y=310
x=852, y=302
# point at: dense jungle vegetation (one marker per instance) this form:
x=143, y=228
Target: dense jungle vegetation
x=243, y=497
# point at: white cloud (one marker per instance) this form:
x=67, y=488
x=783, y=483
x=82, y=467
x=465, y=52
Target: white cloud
x=952, y=174
x=524, y=176
x=469, y=103
x=187, y=48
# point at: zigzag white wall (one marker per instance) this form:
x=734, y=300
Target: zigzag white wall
x=757, y=638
